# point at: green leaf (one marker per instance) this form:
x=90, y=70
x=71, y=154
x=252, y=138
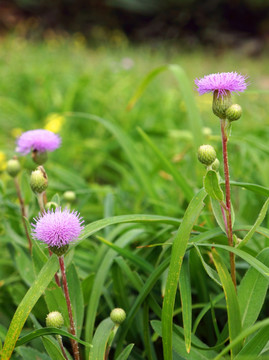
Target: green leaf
x=139, y=218
x=178, y=177
x=255, y=345
x=100, y=339
x=124, y=355
x=76, y=296
x=210, y=272
x=258, y=222
x=212, y=186
x=52, y=349
x=252, y=292
x=143, y=293
x=179, y=346
x=258, y=189
x=143, y=264
x=240, y=338
x=48, y=331
x=233, y=310
x=100, y=279
x=216, y=208
x=28, y=353
x=26, y=305
x=258, y=265
x=186, y=301
x=178, y=250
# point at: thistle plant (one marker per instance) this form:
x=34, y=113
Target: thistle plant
x=222, y=85
x=58, y=229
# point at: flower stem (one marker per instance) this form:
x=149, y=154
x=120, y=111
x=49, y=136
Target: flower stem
x=23, y=212
x=59, y=338
x=229, y=228
x=69, y=308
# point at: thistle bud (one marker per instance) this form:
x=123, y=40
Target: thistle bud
x=118, y=315
x=51, y=205
x=69, y=196
x=59, y=251
x=221, y=103
x=13, y=167
x=54, y=319
x=234, y=112
x=39, y=180
x=39, y=157
x=215, y=165
x=206, y=154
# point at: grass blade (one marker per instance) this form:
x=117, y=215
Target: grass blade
x=178, y=251
x=100, y=340
x=252, y=292
x=234, y=319
x=186, y=301
x=26, y=305
x=178, y=177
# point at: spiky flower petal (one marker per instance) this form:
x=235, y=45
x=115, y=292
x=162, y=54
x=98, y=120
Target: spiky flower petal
x=58, y=227
x=37, y=140
x=222, y=83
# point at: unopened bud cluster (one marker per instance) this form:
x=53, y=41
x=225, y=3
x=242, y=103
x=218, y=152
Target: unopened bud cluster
x=222, y=107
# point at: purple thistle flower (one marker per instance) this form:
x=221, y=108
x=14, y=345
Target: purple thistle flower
x=222, y=83
x=58, y=228
x=40, y=140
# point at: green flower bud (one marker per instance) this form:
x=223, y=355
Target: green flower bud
x=215, y=165
x=206, y=154
x=221, y=103
x=51, y=205
x=69, y=196
x=39, y=180
x=59, y=251
x=118, y=315
x=39, y=157
x=54, y=319
x=234, y=112
x=13, y=167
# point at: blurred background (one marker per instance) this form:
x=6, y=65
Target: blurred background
x=222, y=24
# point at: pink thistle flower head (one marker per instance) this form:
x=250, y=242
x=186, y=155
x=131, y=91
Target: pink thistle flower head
x=37, y=140
x=222, y=83
x=57, y=228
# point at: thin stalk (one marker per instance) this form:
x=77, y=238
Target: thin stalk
x=229, y=231
x=59, y=338
x=69, y=308
x=23, y=212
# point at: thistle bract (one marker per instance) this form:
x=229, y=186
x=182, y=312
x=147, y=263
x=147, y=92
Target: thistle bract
x=58, y=227
x=37, y=140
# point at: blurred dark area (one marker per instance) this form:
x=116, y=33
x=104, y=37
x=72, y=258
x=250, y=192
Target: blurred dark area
x=222, y=23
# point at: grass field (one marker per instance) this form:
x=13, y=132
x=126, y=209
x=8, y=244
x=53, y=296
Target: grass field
x=123, y=162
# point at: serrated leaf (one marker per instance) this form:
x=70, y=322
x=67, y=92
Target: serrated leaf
x=212, y=187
